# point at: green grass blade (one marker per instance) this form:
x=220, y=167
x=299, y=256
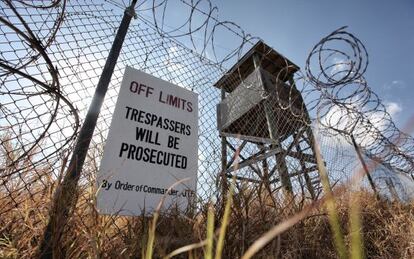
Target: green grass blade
x=330, y=205
x=151, y=237
x=224, y=224
x=208, y=254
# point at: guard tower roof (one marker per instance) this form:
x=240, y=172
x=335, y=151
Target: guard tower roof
x=270, y=60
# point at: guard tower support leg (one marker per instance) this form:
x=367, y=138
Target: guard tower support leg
x=310, y=138
x=223, y=175
x=280, y=157
x=265, y=165
x=271, y=124
x=308, y=181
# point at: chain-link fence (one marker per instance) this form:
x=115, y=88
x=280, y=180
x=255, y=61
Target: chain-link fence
x=52, y=55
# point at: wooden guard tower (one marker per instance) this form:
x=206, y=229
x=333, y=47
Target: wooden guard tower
x=261, y=106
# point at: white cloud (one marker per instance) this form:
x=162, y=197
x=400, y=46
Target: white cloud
x=339, y=118
x=395, y=84
x=393, y=108
x=340, y=67
x=407, y=185
x=345, y=118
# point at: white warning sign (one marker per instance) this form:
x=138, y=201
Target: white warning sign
x=151, y=144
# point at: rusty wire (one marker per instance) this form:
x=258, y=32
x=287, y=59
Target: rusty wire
x=350, y=107
x=333, y=82
x=33, y=106
x=52, y=55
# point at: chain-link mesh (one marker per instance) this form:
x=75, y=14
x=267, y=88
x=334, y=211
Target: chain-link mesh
x=52, y=55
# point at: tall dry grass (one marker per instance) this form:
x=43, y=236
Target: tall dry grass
x=387, y=230
x=379, y=228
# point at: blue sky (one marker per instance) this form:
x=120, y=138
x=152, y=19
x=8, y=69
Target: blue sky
x=385, y=27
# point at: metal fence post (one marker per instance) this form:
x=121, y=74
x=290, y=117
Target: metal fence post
x=364, y=165
x=65, y=195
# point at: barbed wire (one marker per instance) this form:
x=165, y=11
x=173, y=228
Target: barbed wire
x=20, y=62
x=52, y=54
x=350, y=107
